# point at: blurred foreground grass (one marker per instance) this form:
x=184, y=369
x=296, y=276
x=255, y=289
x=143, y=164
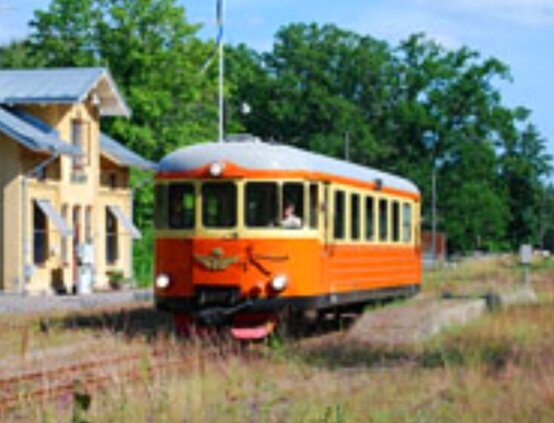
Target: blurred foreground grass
x=500, y=368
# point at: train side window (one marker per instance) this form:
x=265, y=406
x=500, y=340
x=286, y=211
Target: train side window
x=292, y=216
x=354, y=216
x=262, y=206
x=160, y=206
x=369, y=219
x=407, y=222
x=339, y=221
x=219, y=205
x=182, y=203
x=314, y=206
x=383, y=220
x=395, y=221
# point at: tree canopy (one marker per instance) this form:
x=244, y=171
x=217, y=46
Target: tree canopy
x=414, y=108
x=155, y=57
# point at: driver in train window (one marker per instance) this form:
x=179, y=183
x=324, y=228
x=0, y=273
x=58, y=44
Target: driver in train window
x=290, y=219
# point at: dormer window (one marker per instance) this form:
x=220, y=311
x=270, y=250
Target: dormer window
x=79, y=138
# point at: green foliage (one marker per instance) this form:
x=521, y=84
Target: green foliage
x=309, y=90
x=546, y=232
x=155, y=58
x=64, y=35
x=524, y=164
x=407, y=109
x=17, y=54
x=144, y=258
x=475, y=213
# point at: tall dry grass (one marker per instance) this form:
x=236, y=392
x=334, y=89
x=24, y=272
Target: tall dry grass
x=498, y=369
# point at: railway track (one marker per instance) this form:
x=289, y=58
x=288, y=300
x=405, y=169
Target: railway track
x=45, y=375
x=26, y=385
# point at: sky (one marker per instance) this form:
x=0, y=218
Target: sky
x=518, y=32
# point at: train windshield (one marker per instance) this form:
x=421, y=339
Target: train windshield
x=181, y=206
x=219, y=205
x=270, y=205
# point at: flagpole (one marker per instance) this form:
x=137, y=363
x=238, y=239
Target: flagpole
x=220, y=16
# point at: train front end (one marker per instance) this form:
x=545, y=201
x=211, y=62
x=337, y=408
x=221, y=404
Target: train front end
x=224, y=256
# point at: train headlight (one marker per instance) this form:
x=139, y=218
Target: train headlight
x=279, y=282
x=216, y=168
x=162, y=281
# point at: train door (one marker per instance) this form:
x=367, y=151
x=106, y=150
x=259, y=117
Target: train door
x=327, y=253
x=315, y=204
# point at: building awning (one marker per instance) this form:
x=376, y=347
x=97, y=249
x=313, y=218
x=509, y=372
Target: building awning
x=126, y=222
x=58, y=221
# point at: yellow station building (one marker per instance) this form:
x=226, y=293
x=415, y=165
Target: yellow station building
x=65, y=195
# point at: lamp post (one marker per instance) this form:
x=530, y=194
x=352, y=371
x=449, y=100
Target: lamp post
x=434, y=215
x=437, y=163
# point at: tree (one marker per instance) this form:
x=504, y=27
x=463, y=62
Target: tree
x=307, y=92
x=407, y=110
x=154, y=56
x=18, y=54
x=547, y=219
x=474, y=210
x=524, y=167
x=65, y=34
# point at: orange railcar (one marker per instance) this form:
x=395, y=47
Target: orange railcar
x=227, y=253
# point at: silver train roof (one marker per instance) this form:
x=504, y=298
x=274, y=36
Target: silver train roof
x=256, y=155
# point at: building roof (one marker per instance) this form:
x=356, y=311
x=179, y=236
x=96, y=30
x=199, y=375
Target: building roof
x=122, y=155
x=33, y=133
x=253, y=154
x=62, y=86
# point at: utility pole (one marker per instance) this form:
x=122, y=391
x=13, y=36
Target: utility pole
x=434, y=215
x=220, y=20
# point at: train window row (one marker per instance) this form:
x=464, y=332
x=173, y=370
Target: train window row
x=356, y=216
x=267, y=205
x=371, y=219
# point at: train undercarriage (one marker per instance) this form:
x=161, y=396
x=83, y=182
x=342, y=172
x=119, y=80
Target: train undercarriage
x=252, y=319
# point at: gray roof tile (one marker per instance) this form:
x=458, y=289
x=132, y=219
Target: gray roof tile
x=58, y=86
